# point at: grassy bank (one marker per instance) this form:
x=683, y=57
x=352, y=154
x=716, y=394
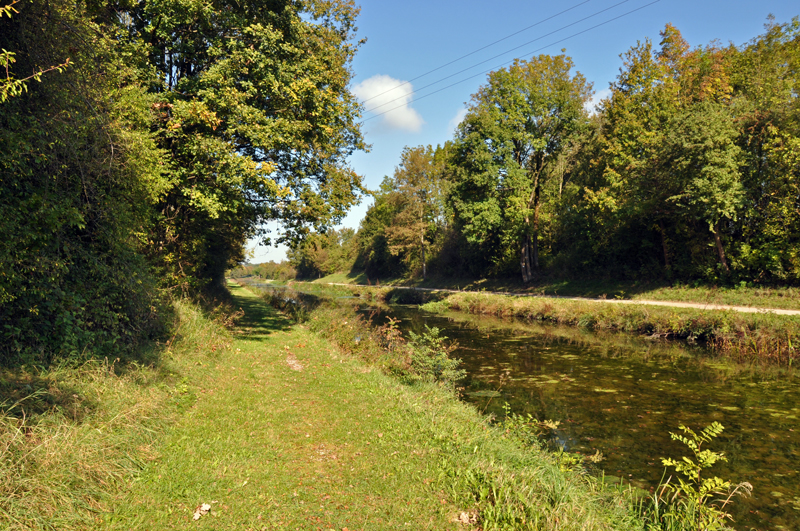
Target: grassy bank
x=742, y=295
x=753, y=337
x=369, y=447
x=762, y=338
x=72, y=437
x=278, y=426
x=495, y=468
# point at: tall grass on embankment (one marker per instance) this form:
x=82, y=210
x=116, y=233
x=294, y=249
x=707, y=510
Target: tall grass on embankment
x=495, y=471
x=72, y=436
x=498, y=475
x=746, y=337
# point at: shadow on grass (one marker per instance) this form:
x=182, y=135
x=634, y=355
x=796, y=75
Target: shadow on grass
x=596, y=288
x=260, y=320
x=24, y=395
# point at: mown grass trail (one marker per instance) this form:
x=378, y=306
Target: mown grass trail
x=280, y=432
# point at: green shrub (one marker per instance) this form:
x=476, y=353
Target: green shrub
x=430, y=357
x=689, y=504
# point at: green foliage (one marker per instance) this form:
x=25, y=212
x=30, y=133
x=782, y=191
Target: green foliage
x=679, y=181
x=321, y=254
x=688, y=171
x=405, y=226
x=430, y=357
x=174, y=134
x=269, y=270
x=10, y=87
x=689, y=503
x=78, y=169
x=257, y=119
x=519, y=122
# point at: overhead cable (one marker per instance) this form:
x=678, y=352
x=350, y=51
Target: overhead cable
x=373, y=109
x=509, y=62
x=476, y=51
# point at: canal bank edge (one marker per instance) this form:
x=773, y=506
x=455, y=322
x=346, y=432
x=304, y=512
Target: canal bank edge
x=764, y=337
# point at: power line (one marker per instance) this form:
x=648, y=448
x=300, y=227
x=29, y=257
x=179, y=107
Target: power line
x=373, y=109
x=476, y=51
x=508, y=62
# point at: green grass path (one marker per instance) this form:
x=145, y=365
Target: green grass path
x=282, y=432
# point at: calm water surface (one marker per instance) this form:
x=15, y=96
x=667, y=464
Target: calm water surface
x=623, y=395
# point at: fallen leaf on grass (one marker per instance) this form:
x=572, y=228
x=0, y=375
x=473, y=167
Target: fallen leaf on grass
x=465, y=517
x=293, y=364
x=201, y=510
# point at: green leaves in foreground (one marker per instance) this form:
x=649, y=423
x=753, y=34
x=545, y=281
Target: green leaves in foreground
x=430, y=357
x=691, y=505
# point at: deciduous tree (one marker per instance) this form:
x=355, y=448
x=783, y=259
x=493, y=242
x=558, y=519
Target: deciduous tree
x=516, y=127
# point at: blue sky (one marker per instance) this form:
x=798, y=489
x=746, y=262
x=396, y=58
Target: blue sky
x=409, y=38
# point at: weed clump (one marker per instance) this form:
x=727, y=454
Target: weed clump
x=689, y=504
x=431, y=360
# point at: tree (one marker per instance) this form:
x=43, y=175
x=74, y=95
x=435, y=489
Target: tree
x=766, y=81
x=177, y=129
x=258, y=120
x=647, y=161
x=374, y=256
x=517, y=125
x=703, y=155
x=79, y=171
x=321, y=254
x=417, y=192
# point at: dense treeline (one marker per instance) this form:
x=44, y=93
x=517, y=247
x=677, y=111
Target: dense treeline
x=268, y=270
x=141, y=144
x=688, y=170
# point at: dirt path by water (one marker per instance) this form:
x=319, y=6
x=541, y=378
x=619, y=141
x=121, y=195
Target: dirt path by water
x=673, y=304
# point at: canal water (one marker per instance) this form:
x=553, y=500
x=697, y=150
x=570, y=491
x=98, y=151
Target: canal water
x=622, y=396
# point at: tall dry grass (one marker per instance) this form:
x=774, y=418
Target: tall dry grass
x=73, y=437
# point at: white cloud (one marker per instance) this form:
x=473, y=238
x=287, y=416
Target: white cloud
x=591, y=105
x=457, y=119
x=384, y=94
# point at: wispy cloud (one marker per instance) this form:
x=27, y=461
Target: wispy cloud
x=591, y=105
x=457, y=119
x=384, y=94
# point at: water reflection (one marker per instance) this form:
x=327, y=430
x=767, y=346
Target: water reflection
x=622, y=395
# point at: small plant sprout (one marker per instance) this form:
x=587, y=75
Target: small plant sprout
x=692, y=502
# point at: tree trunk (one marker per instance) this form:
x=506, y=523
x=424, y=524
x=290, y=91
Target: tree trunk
x=525, y=259
x=720, y=250
x=422, y=238
x=664, y=244
x=536, y=227
x=534, y=202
